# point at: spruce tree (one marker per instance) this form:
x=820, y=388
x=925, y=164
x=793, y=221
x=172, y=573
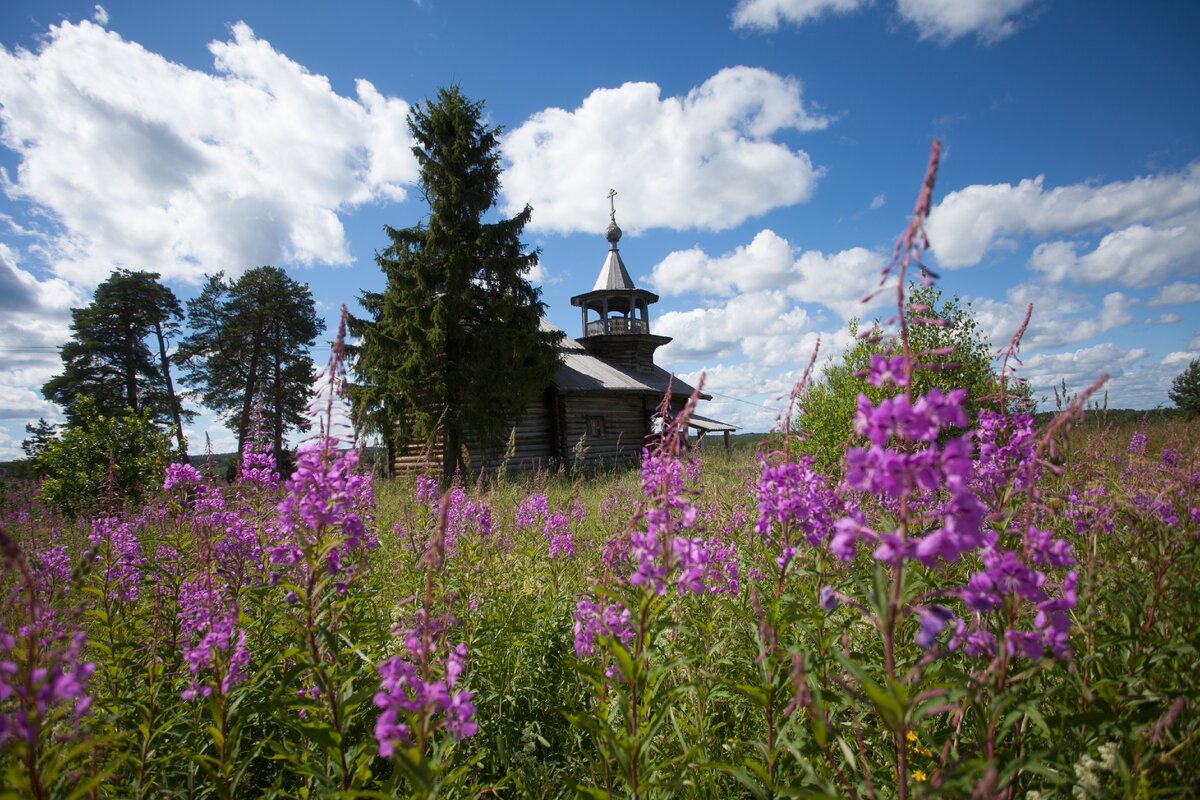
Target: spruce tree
x=453, y=348
x=250, y=339
x=108, y=358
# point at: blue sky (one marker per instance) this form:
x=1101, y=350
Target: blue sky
x=765, y=153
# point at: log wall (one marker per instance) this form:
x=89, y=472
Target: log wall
x=626, y=420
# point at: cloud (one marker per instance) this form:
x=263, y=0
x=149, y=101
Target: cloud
x=199, y=172
x=1178, y=359
x=1080, y=368
x=878, y=201
x=34, y=320
x=1176, y=294
x=1152, y=226
x=1059, y=317
x=100, y=15
x=1164, y=319
x=745, y=394
x=767, y=15
x=839, y=280
x=1194, y=344
x=945, y=20
x=721, y=330
x=706, y=160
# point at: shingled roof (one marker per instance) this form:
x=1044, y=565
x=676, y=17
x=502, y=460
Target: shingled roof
x=583, y=372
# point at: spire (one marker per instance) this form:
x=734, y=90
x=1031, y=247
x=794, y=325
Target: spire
x=613, y=234
x=613, y=274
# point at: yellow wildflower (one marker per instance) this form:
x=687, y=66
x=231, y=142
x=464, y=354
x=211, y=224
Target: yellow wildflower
x=919, y=776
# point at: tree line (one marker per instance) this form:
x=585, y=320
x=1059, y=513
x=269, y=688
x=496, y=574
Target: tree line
x=246, y=344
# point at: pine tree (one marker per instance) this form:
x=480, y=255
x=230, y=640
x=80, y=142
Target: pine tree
x=452, y=347
x=108, y=359
x=250, y=339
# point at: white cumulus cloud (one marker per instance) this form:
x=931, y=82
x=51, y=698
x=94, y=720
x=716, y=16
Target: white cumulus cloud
x=1176, y=294
x=944, y=20
x=141, y=162
x=1080, y=368
x=767, y=15
x=706, y=160
x=1150, y=227
x=1059, y=317
x=839, y=280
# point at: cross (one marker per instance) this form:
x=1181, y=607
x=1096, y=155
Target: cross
x=612, y=205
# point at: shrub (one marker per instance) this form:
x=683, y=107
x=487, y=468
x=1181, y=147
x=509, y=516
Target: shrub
x=945, y=340
x=101, y=460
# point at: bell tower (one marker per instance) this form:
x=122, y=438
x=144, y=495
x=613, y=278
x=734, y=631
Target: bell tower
x=616, y=314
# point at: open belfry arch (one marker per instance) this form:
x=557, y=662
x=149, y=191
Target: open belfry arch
x=600, y=405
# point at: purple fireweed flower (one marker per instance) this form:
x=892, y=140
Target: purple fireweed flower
x=239, y=551
x=976, y=643
x=466, y=516
x=919, y=467
x=258, y=468
x=1137, y=444
x=212, y=642
x=933, y=620
x=886, y=371
x=52, y=572
x=828, y=598
x=408, y=700
x=531, y=511
x=56, y=678
x=1007, y=446
x=207, y=500
x=705, y=566
x=592, y=622
x=120, y=555
x=1170, y=457
x=325, y=496
x=428, y=491
x=558, y=533
x=182, y=475
x=692, y=471
x=793, y=494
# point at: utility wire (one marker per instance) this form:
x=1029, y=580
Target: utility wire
x=740, y=400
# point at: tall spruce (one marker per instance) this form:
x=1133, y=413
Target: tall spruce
x=108, y=358
x=452, y=348
x=250, y=340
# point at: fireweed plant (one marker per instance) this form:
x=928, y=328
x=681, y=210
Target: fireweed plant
x=978, y=605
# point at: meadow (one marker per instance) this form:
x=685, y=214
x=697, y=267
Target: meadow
x=711, y=626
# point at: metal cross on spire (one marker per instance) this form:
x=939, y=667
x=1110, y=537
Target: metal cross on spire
x=612, y=205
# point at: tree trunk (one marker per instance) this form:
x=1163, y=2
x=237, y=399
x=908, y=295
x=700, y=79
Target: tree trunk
x=166, y=368
x=251, y=385
x=131, y=398
x=278, y=410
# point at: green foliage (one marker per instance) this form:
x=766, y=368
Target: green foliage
x=102, y=460
x=453, y=346
x=1185, y=389
x=826, y=411
x=250, y=341
x=40, y=437
x=108, y=359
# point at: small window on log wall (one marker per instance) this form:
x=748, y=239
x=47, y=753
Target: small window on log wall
x=595, y=427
